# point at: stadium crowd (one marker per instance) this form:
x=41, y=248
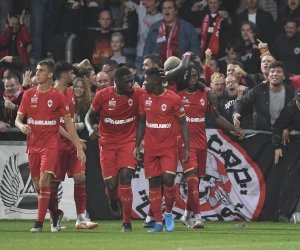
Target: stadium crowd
x=141, y=59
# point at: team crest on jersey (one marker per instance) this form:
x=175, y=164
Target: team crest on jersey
x=112, y=102
x=185, y=100
x=130, y=102
x=202, y=102
x=148, y=102
x=49, y=103
x=163, y=107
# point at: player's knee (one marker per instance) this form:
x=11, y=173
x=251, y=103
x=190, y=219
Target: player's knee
x=79, y=179
x=169, y=182
x=125, y=180
x=44, y=180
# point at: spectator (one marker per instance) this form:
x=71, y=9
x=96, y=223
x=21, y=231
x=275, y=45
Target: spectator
x=117, y=44
x=211, y=66
x=250, y=55
x=148, y=14
x=10, y=102
x=215, y=29
x=235, y=68
x=16, y=37
x=88, y=74
x=172, y=36
x=233, y=50
x=132, y=67
x=110, y=68
x=83, y=98
x=293, y=10
x=263, y=20
x=13, y=65
x=287, y=47
x=103, y=81
x=267, y=99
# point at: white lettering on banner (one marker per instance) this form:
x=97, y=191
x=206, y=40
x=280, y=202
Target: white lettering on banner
x=41, y=122
x=158, y=125
x=188, y=119
x=118, y=122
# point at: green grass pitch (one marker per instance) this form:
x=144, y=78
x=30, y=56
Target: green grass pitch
x=15, y=235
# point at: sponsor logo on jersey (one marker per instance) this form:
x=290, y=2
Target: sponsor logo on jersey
x=185, y=100
x=41, y=122
x=34, y=99
x=112, y=102
x=158, y=125
x=118, y=122
x=198, y=119
x=163, y=107
x=130, y=102
x=148, y=102
x=49, y=103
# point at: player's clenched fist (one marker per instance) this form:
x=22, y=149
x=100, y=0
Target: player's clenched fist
x=136, y=154
x=26, y=129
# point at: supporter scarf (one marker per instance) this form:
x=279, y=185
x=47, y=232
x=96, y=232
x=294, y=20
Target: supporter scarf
x=162, y=35
x=12, y=98
x=214, y=40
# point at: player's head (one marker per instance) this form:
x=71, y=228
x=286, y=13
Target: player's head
x=64, y=71
x=191, y=78
x=44, y=71
x=152, y=79
x=124, y=80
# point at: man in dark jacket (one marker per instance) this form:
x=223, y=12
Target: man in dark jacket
x=267, y=99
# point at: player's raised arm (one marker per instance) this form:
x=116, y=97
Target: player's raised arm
x=75, y=139
x=186, y=138
x=139, y=136
x=88, y=121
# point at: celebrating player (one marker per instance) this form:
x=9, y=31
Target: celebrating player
x=159, y=111
x=196, y=104
x=118, y=107
x=43, y=106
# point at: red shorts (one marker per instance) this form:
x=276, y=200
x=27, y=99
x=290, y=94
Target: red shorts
x=197, y=160
x=67, y=162
x=112, y=160
x=43, y=162
x=156, y=164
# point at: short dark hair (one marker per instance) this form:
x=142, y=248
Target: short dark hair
x=235, y=44
x=85, y=71
x=112, y=64
x=154, y=73
x=277, y=64
x=292, y=19
x=213, y=58
x=62, y=67
x=50, y=65
x=14, y=77
x=155, y=58
x=252, y=25
x=14, y=16
x=173, y=1
x=120, y=72
x=238, y=63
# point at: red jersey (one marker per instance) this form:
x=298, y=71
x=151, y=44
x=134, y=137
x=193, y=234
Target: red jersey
x=43, y=111
x=118, y=116
x=161, y=113
x=196, y=105
x=64, y=142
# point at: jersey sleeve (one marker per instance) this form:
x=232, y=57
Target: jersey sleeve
x=64, y=109
x=142, y=105
x=178, y=107
x=97, y=102
x=23, y=109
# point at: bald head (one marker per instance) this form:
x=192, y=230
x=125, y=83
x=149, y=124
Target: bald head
x=102, y=80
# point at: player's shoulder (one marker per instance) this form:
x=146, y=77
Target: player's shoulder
x=172, y=95
x=30, y=91
x=138, y=91
x=105, y=92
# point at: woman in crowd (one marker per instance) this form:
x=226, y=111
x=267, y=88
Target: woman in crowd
x=117, y=44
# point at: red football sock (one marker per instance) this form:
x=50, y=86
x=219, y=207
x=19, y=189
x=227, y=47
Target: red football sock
x=43, y=203
x=53, y=203
x=111, y=195
x=80, y=198
x=169, y=193
x=155, y=203
x=150, y=213
x=126, y=197
x=193, y=203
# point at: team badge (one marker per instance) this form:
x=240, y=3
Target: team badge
x=202, y=102
x=297, y=50
x=163, y=107
x=50, y=102
x=130, y=102
x=112, y=102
